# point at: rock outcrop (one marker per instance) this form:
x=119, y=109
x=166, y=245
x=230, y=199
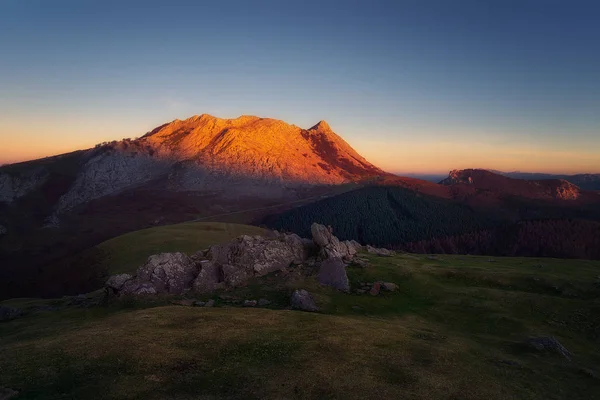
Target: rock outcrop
x=233, y=264
x=330, y=246
x=230, y=264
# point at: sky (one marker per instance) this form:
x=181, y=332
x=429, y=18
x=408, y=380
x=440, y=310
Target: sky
x=414, y=86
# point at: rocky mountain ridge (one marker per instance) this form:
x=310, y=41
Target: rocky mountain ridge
x=204, y=153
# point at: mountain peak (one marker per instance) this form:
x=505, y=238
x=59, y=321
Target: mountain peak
x=321, y=126
x=261, y=148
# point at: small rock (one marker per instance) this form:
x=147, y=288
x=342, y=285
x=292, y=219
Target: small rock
x=184, y=302
x=210, y=303
x=249, y=303
x=548, y=343
x=389, y=286
x=263, y=302
x=379, y=252
x=8, y=313
x=199, y=303
x=302, y=300
x=375, y=289
x=359, y=262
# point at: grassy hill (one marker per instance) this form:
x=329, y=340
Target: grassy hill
x=454, y=330
x=88, y=270
x=127, y=252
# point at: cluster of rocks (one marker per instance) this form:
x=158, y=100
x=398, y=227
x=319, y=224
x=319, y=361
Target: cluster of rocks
x=374, y=288
x=233, y=264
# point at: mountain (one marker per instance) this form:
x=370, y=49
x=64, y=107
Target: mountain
x=182, y=170
x=470, y=181
x=583, y=181
x=203, y=153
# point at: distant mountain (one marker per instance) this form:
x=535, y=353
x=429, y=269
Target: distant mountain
x=470, y=181
x=584, y=181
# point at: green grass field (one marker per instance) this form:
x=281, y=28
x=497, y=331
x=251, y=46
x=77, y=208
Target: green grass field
x=453, y=330
x=127, y=252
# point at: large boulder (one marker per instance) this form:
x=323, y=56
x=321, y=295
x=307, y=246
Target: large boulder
x=209, y=278
x=171, y=273
x=249, y=256
x=168, y=272
x=302, y=300
x=332, y=272
x=116, y=282
x=330, y=246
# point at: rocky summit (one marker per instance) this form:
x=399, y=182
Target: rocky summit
x=198, y=154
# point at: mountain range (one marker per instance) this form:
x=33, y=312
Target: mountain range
x=249, y=169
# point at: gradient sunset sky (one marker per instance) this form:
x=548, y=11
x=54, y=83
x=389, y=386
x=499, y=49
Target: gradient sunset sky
x=414, y=86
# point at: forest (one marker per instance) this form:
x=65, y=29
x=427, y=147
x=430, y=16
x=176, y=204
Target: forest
x=405, y=220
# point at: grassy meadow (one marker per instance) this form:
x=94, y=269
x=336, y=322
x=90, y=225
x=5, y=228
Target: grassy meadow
x=453, y=330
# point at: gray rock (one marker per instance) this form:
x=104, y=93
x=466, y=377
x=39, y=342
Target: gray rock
x=332, y=272
x=210, y=303
x=184, y=302
x=248, y=256
x=263, y=302
x=199, y=304
x=302, y=300
x=379, y=251
x=168, y=272
x=329, y=245
x=360, y=291
x=250, y=303
x=209, y=278
x=360, y=262
x=389, y=286
x=116, y=282
x=548, y=343
x=3, y=230
x=8, y=313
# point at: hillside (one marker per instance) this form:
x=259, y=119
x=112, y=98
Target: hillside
x=457, y=327
x=481, y=223
x=384, y=215
x=87, y=270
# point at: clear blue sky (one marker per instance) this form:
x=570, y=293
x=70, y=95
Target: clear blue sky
x=415, y=86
